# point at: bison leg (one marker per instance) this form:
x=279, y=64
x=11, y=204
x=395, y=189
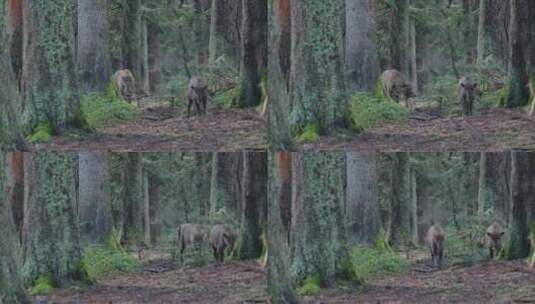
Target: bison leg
x=189, y=107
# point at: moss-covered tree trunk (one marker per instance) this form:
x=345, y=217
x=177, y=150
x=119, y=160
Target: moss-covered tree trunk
x=226, y=184
x=279, y=53
x=51, y=234
x=400, y=230
x=399, y=34
x=93, y=54
x=15, y=187
x=11, y=287
x=133, y=39
x=156, y=222
x=133, y=199
x=254, y=196
x=49, y=78
x=317, y=71
x=481, y=31
x=522, y=195
x=362, y=60
x=362, y=216
x=94, y=197
x=279, y=202
x=518, y=91
x=494, y=174
x=319, y=246
x=254, y=51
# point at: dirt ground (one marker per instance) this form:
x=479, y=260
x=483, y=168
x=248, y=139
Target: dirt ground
x=160, y=127
x=162, y=281
x=491, y=130
x=485, y=282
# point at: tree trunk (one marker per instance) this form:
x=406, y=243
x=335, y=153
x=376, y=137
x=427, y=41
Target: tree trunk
x=94, y=62
x=146, y=210
x=154, y=57
x=319, y=246
x=133, y=49
x=401, y=204
x=317, y=72
x=518, y=91
x=156, y=224
x=399, y=34
x=254, y=198
x=254, y=51
x=279, y=202
x=49, y=78
x=225, y=192
x=15, y=188
x=481, y=33
x=522, y=195
x=361, y=60
x=94, y=211
x=362, y=216
x=51, y=234
x=13, y=46
x=133, y=199
x=11, y=287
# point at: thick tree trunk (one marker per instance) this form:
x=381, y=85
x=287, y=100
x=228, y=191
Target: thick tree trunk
x=400, y=230
x=225, y=192
x=399, y=34
x=518, y=91
x=94, y=211
x=133, y=199
x=254, y=196
x=13, y=21
x=522, y=195
x=362, y=217
x=11, y=287
x=319, y=246
x=494, y=171
x=279, y=201
x=317, y=83
x=133, y=49
x=51, y=234
x=15, y=187
x=156, y=223
x=94, y=62
x=254, y=51
x=49, y=78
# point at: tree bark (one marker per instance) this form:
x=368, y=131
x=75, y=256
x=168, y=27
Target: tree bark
x=15, y=188
x=481, y=33
x=225, y=192
x=133, y=199
x=518, y=91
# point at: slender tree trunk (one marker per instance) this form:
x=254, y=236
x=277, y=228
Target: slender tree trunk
x=51, y=234
x=94, y=61
x=94, y=211
x=401, y=204
x=146, y=210
x=482, y=192
x=212, y=47
x=15, y=187
x=14, y=22
x=279, y=201
x=413, y=56
x=49, y=78
x=254, y=51
x=133, y=199
x=319, y=246
x=133, y=49
x=156, y=223
x=481, y=31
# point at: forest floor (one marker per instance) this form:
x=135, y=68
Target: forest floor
x=489, y=130
x=485, y=282
x=160, y=127
x=163, y=281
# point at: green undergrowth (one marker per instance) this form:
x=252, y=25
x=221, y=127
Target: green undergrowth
x=43, y=286
x=311, y=133
x=102, y=110
x=42, y=133
x=310, y=286
x=366, y=112
x=103, y=261
x=465, y=247
x=370, y=262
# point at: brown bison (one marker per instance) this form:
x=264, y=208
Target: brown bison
x=222, y=238
x=189, y=236
x=435, y=240
x=396, y=87
x=125, y=83
x=495, y=233
x=468, y=91
x=197, y=95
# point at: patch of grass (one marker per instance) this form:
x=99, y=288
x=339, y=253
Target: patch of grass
x=367, y=112
x=101, y=262
x=42, y=133
x=228, y=98
x=99, y=110
x=43, y=286
x=310, y=286
x=465, y=247
x=368, y=263
x=310, y=134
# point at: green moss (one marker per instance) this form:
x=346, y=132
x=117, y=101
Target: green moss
x=379, y=90
x=365, y=112
x=43, y=286
x=42, y=133
x=228, y=98
x=114, y=240
x=99, y=110
x=381, y=243
x=99, y=262
x=368, y=263
x=310, y=286
x=310, y=134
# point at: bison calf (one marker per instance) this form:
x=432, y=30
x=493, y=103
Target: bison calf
x=197, y=95
x=468, y=90
x=396, y=87
x=222, y=237
x=435, y=240
x=125, y=83
x=495, y=233
x=190, y=237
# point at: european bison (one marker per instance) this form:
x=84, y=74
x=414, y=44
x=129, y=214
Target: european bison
x=396, y=87
x=435, y=240
x=222, y=238
x=189, y=236
x=197, y=95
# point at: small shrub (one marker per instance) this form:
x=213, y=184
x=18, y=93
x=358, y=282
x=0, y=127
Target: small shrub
x=100, y=262
x=310, y=134
x=43, y=286
x=465, y=246
x=368, y=263
x=367, y=112
x=42, y=133
x=99, y=110
x=310, y=286
x=228, y=98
